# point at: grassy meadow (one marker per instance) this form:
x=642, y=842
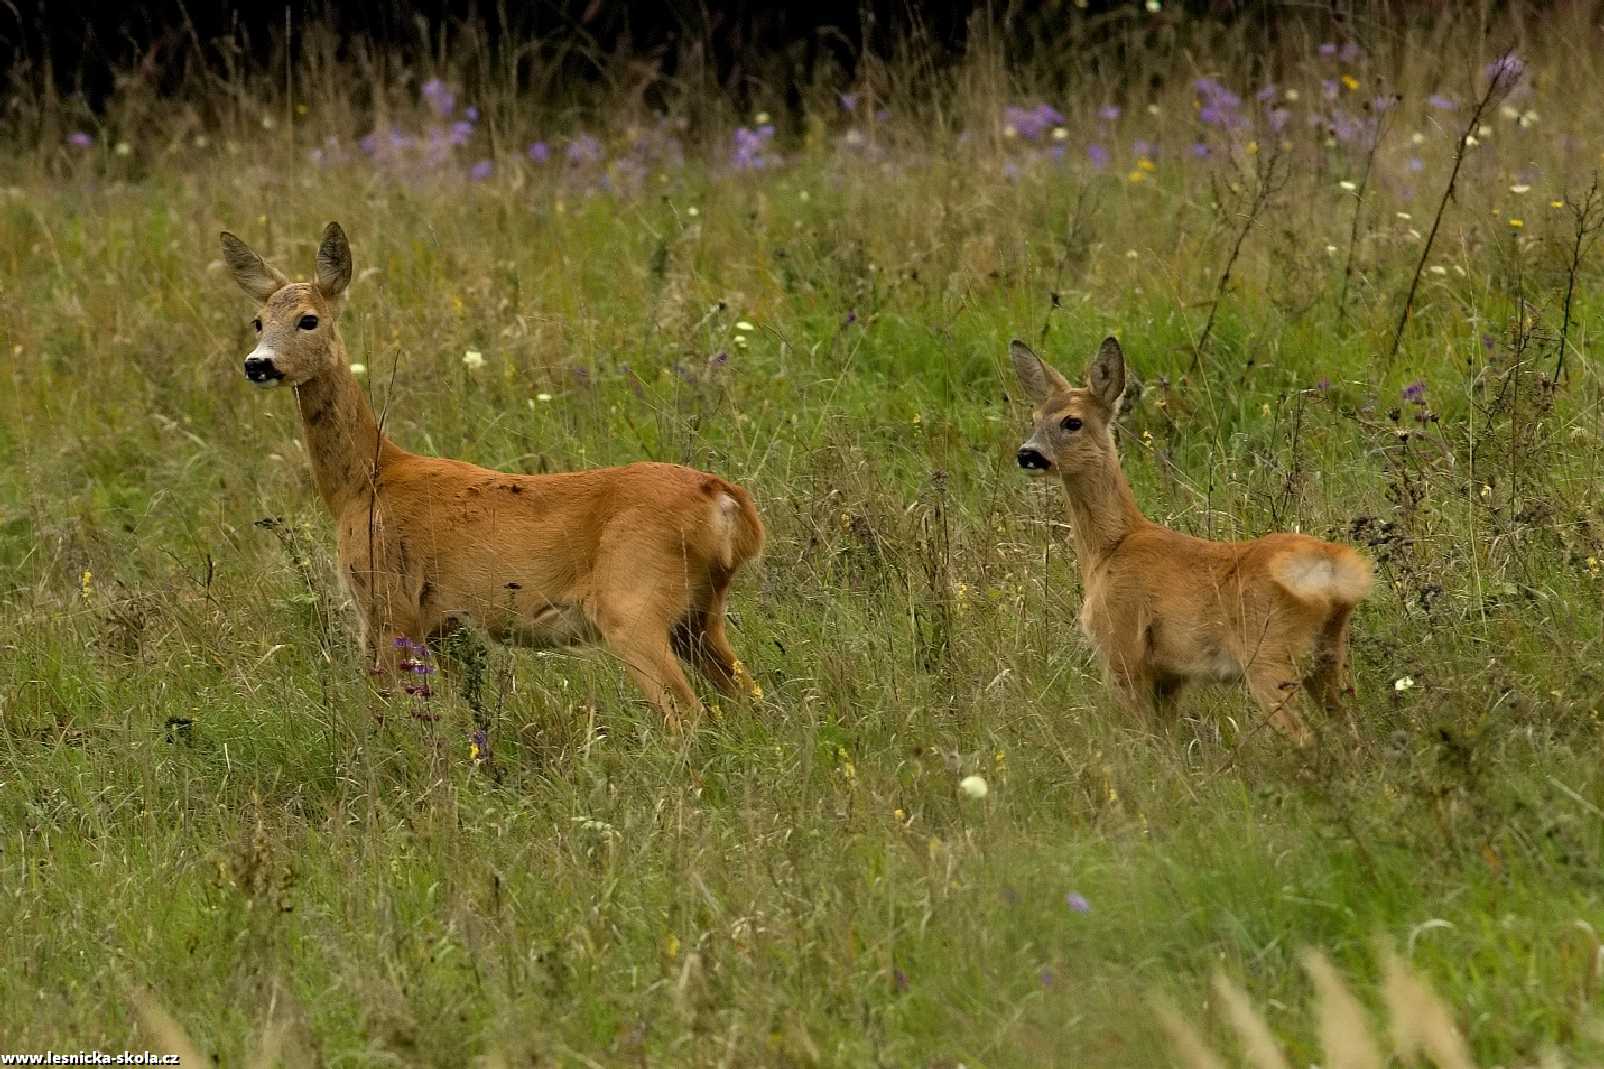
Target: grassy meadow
x=200, y=799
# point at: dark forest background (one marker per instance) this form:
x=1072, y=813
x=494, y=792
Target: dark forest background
x=79, y=48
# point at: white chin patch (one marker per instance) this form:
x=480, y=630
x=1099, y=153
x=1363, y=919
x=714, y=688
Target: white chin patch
x=266, y=384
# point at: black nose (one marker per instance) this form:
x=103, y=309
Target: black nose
x=1032, y=460
x=261, y=369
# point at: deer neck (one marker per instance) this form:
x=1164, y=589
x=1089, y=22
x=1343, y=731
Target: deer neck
x=343, y=439
x=1102, y=512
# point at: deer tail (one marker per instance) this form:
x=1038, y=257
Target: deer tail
x=1324, y=572
x=735, y=518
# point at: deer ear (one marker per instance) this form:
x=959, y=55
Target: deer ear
x=255, y=275
x=1038, y=379
x=333, y=262
x=1107, y=375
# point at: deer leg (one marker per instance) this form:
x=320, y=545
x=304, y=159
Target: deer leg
x=1134, y=690
x=462, y=658
x=1165, y=688
x=1329, y=680
x=635, y=625
x=700, y=638
x=650, y=662
x=1275, y=686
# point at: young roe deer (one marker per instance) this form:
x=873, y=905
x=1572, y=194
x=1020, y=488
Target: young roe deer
x=1164, y=608
x=638, y=558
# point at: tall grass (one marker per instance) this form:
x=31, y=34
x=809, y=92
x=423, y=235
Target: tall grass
x=200, y=802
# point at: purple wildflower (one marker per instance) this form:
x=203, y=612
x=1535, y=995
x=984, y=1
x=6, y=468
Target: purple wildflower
x=1487, y=342
x=1329, y=88
x=1415, y=392
x=1144, y=148
x=479, y=746
x=1047, y=977
x=1277, y=118
x=1108, y=112
x=481, y=170
x=1381, y=104
x=1505, y=71
x=79, y=139
x=1077, y=902
x=439, y=97
x=419, y=690
x=1351, y=52
x=1349, y=129
x=751, y=148
x=1217, y=104
x=540, y=152
x=1415, y=164
x=1328, y=49
x=402, y=642
x=459, y=133
x=1265, y=95
x=1098, y=155
x=584, y=149
x=1200, y=151
x=851, y=318
x=472, y=112
x=1442, y=102
x=1033, y=123
x=848, y=101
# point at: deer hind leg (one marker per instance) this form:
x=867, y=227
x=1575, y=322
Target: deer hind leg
x=1328, y=680
x=700, y=639
x=634, y=624
x=1274, y=684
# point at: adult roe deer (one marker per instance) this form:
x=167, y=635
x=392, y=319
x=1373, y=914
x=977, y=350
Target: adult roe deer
x=638, y=558
x=1164, y=608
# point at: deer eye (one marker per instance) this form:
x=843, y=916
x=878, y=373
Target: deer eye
x=308, y=322
x=257, y=323
x=1070, y=423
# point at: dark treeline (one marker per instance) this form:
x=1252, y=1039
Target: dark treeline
x=79, y=47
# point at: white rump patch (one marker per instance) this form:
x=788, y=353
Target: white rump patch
x=1313, y=575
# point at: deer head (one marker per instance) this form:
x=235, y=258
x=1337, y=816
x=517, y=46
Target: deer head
x=295, y=340
x=1073, y=427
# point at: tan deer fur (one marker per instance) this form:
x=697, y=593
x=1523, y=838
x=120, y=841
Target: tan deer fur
x=1163, y=608
x=637, y=558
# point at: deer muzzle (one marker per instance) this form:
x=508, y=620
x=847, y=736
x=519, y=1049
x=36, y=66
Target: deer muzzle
x=261, y=370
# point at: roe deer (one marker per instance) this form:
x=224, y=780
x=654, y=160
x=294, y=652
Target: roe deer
x=1164, y=608
x=639, y=558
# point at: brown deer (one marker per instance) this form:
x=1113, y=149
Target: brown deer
x=638, y=558
x=1164, y=608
